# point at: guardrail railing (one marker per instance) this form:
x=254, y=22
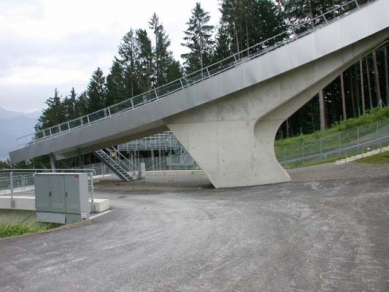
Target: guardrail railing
x=293, y=33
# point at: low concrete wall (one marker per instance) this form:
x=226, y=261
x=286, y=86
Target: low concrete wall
x=28, y=203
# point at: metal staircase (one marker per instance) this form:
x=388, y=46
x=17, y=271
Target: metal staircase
x=118, y=163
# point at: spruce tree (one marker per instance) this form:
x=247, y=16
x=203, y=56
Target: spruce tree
x=144, y=61
x=199, y=40
x=53, y=114
x=223, y=44
x=116, y=89
x=128, y=53
x=96, y=91
x=69, y=105
x=165, y=67
x=248, y=22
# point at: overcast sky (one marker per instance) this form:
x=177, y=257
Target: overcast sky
x=47, y=44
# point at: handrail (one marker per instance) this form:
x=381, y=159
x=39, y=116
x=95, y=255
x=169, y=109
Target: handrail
x=234, y=60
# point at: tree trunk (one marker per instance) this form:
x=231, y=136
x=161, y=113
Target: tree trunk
x=323, y=122
x=356, y=90
x=369, y=83
x=387, y=74
x=377, y=79
x=362, y=87
x=311, y=13
x=352, y=96
x=343, y=97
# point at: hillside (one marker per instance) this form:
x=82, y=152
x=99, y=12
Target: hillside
x=14, y=125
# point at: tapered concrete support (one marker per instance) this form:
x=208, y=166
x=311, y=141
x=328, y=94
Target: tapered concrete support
x=232, y=139
x=52, y=162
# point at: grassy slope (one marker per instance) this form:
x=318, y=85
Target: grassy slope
x=342, y=134
x=381, y=158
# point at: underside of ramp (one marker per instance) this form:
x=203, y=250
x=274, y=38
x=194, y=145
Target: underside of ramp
x=232, y=139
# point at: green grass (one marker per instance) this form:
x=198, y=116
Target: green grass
x=381, y=158
x=15, y=229
x=338, y=136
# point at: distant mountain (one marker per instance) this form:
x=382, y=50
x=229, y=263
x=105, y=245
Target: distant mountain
x=12, y=126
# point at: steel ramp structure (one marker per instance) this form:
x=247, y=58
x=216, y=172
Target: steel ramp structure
x=227, y=116
x=119, y=164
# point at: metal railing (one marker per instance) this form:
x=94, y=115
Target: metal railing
x=161, y=141
x=293, y=33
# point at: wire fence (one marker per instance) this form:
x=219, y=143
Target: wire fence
x=314, y=149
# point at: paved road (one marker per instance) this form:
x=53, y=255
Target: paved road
x=299, y=236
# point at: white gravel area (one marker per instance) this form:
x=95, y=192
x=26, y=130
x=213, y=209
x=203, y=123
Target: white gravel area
x=187, y=180
x=332, y=171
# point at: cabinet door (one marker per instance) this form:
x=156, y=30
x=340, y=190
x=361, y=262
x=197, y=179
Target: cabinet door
x=72, y=189
x=57, y=198
x=42, y=193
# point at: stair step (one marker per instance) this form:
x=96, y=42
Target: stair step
x=117, y=165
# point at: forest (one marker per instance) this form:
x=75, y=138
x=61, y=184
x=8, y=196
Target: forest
x=144, y=61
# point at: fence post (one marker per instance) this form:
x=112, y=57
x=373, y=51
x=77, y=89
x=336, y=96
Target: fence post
x=321, y=149
x=302, y=151
x=11, y=177
x=359, y=146
x=340, y=155
x=376, y=137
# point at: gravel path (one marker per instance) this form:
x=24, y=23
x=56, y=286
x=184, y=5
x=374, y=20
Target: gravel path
x=189, y=180
x=302, y=236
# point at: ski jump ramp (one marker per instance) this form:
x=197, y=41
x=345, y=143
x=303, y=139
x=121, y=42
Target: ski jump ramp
x=228, y=121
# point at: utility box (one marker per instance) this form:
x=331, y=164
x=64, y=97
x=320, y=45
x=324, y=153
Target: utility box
x=61, y=197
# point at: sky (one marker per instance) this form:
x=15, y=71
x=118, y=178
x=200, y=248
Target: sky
x=48, y=44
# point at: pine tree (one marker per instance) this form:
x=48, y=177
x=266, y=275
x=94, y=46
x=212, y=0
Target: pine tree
x=248, y=22
x=116, y=89
x=144, y=61
x=96, y=91
x=82, y=104
x=198, y=39
x=223, y=44
x=162, y=56
x=128, y=53
x=69, y=105
x=308, y=11
x=53, y=114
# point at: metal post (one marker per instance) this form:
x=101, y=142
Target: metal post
x=206, y=68
x=321, y=149
x=302, y=151
x=376, y=135
x=182, y=84
x=359, y=148
x=11, y=178
x=339, y=145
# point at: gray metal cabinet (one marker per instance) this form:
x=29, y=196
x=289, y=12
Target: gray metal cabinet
x=61, y=197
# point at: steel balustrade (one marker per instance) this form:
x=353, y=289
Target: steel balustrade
x=293, y=33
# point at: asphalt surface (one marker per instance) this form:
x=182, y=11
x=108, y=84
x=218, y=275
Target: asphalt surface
x=307, y=235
